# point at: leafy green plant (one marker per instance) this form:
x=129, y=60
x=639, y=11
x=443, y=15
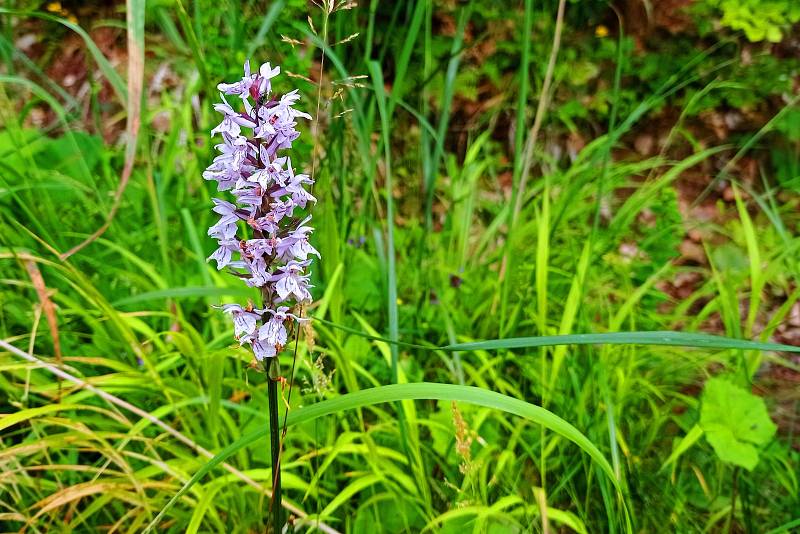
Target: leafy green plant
x=759, y=19
x=735, y=422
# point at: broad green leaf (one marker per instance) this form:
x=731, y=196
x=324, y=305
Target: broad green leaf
x=735, y=422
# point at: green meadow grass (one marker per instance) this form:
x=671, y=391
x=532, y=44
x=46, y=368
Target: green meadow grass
x=470, y=367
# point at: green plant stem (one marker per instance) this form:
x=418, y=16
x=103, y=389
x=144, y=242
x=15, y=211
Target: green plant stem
x=734, y=483
x=276, y=511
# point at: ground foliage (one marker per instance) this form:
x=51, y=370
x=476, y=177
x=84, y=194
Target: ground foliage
x=662, y=194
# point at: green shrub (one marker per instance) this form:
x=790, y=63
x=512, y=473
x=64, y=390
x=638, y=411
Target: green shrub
x=759, y=19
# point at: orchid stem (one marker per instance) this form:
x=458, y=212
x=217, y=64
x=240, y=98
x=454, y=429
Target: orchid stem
x=275, y=447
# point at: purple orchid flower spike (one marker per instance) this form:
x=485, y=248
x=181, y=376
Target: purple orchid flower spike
x=259, y=237
x=274, y=256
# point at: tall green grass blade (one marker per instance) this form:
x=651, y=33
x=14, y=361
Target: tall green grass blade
x=684, y=445
x=194, y=241
x=522, y=95
x=444, y=119
x=786, y=527
x=411, y=32
x=380, y=96
x=664, y=337
x=571, y=308
x=756, y=276
x=408, y=437
x=667, y=338
x=399, y=392
x=269, y=19
x=194, y=44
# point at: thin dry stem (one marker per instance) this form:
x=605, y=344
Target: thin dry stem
x=541, y=111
